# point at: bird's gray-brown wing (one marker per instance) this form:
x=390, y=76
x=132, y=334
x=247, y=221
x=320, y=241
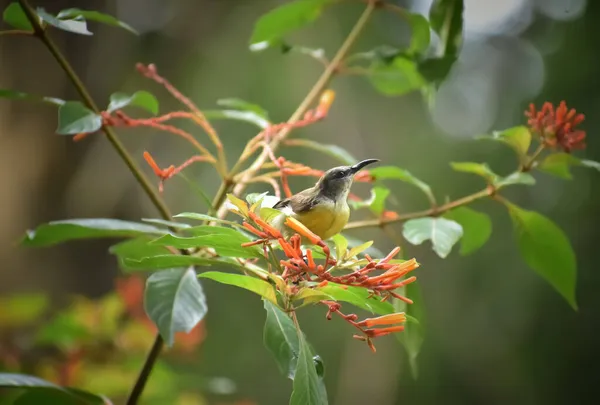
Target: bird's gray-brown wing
x=302, y=202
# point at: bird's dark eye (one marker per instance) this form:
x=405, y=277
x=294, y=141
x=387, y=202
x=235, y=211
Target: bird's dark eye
x=341, y=173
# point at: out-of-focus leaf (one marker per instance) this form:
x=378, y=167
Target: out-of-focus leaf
x=480, y=169
x=443, y=233
x=477, y=228
x=547, y=250
x=174, y=300
x=204, y=217
x=239, y=104
x=255, y=285
x=136, y=249
x=435, y=70
x=14, y=16
x=61, y=231
x=396, y=173
x=237, y=203
x=308, y=386
x=318, y=53
x=590, y=163
x=225, y=241
x=515, y=178
x=359, y=297
x=19, y=95
x=248, y=116
x=21, y=309
x=310, y=296
x=142, y=99
x=399, y=77
x=420, y=32
x=341, y=246
x=518, y=138
x=334, y=151
x=414, y=332
x=272, y=26
x=446, y=19
x=281, y=339
x=269, y=214
x=74, y=13
x=65, y=330
x=75, y=118
x=165, y=223
x=78, y=26
x=166, y=261
x=559, y=164
x=198, y=190
x=380, y=194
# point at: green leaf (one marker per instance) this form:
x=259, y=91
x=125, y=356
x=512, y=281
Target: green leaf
x=21, y=309
x=75, y=118
x=370, y=250
x=480, y=169
x=308, y=386
x=61, y=231
x=269, y=214
x=341, y=246
x=420, y=31
x=281, y=339
x=165, y=223
x=166, y=261
x=334, y=151
x=78, y=26
x=142, y=99
x=380, y=194
x=65, y=330
x=518, y=138
x=355, y=251
x=443, y=233
x=515, y=178
x=239, y=104
x=136, y=249
x=271, y=27
x=247, y=116
x=477, y=228
x=396, y=173
x=399, y=77
x=359, y=297
x=559, y=164
x=19, y=95
x=204, y=217
x=446, y=19
x=225, y=241
x=174, y=301
x=590, y=163
x=414, y=332
x=14, y=16
x=255, y=285
x=546, y=249
x=89, y=15
x=435, y=70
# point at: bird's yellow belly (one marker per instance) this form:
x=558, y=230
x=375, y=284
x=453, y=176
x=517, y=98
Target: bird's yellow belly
x=325, y=220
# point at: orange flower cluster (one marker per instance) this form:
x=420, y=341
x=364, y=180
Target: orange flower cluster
x=556, y=126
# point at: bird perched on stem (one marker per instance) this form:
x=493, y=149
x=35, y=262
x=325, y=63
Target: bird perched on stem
x=323, y=208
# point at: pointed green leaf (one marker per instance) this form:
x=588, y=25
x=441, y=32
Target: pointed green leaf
x=518, y=138
x=308, y=296
x=355, y=251
x=308, y=386
x=239, y=104
x=334, y=151
x=269, y=214
x=396, y=173
x=480, y=169
x=75, y=118
x=271, y=27
x=477, y=228
x=247, y=116
x=136, y=249
x=166, y=261
x=515, y=178
x=76, y=26
x=165, y=223
x=443, y=233
x=370, y=249
x=590, y=163
x=19, y=95
x=546, y=249
x=399, y=77
x=61, y=231
x=174, y=301
x=376, y=202
x=420, y=31
x=22, y=309
x=204, y=217
x=14, y=16
x=358, y=297
x=446, y=18
x=142, y=99
x=341, y=246
x=89, y=15
x=414, y=332
x=281, y=339
x=559, y=164
x=255, y=285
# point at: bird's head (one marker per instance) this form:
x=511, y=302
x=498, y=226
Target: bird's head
x=336, y=182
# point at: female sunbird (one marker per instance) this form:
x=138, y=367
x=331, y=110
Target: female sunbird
x=322, y=208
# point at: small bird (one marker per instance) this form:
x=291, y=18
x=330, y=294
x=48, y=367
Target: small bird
x=322, y=208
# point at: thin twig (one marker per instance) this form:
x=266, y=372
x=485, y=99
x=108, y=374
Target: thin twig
x=16, y=32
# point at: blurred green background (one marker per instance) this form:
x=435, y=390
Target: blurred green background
x=496, y=332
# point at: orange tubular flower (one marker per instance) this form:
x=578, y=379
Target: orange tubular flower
x=389, y=319
x=556, y=126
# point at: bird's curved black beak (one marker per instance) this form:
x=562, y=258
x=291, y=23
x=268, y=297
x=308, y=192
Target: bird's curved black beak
x=357, y=167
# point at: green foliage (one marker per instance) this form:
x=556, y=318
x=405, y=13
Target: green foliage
x=19, y=95
x=247, y=116
x=443, y=233
x=273, y=26
x=75, y=118
x=518, y=138
x=77, y=26
x=204, y=217
x=376, y=203
x=174, y=301
x=308, y=385
x=255, y=285
x=446, y=19
x=515, y=178
x=480, y=169
x=396, y=78
x=62, y=231
x=358, y=297
x=559, y=164
x=142, y=99
x=14, y=16
x=243, y=105
x=477, y=228
x=420, y=32
x=414, y=332
x=166, y=261
x=336, y=152
x=21, y=309
x=281, y=339
x=396, y=173
x=546, y=249
x=90, y=15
